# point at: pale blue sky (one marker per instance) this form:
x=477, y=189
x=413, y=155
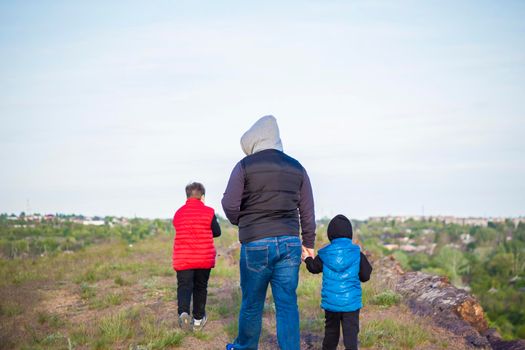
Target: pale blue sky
x=112, y=107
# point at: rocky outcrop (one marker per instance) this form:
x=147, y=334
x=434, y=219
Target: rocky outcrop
x=449, y=307
x=500, y=344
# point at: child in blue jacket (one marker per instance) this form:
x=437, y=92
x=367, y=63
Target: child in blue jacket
x=344, y=267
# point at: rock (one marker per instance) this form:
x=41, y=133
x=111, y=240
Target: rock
x=449, y=307
x=472, y=312
x=500, y=344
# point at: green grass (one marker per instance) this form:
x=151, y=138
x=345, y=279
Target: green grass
x=202, y=335
x=10, y=309
x=87, y=292
x=87, y=277
x=309, y=292
x=56, y=341
x=80, y=266
x=24, y=276
x=151, y=283
x=225, y=270
x=392, y=334
x=52, y=320
x=115, y=328
x=173, y=338
x=119, y=281
x=223, y=308
x=97, y=272
x=219, y=311
x=169, y=293
x=159, y=269
x=113, y=323
x=158, y=335
x=231, y=328
x=79, y=335
x=309, y=285
x=386, y=299
x=369, y=290
x=315, y=324
x=111, y=299
x=130, y=267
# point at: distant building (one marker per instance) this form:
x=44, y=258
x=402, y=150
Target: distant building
x=517, y=221
x=482, y=222
x=93, y=222
x=409, y=248
x=466, y=238
x=470, y=221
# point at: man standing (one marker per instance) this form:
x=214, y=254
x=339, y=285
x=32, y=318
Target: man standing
x=267, y=196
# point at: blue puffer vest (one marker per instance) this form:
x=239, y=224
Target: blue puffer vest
x=341, y=286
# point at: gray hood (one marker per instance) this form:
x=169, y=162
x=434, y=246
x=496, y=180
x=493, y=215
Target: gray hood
x=264, y=134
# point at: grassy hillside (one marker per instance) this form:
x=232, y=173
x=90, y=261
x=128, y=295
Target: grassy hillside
x=117, y=295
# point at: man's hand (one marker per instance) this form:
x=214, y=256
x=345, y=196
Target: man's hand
x=307, y=252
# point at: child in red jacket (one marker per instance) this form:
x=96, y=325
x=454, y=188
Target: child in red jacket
x=194, y=255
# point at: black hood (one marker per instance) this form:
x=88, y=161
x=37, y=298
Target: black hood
x=339, y=227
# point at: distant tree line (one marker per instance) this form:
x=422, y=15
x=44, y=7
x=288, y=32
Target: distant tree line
x=19, y=238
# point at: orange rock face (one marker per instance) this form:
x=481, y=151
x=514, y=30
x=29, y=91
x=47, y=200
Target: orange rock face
x=472, y=312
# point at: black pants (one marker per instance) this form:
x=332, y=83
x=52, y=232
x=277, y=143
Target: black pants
x=333, y=323
x=193, y=282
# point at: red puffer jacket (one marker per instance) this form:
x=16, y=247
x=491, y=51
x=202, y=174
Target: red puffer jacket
x=193, y=246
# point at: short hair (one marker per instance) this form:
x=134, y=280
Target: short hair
x=195, y=190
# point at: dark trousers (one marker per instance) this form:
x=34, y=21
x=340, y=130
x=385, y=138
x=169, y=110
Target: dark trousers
x=193, y=282
x=333, y=323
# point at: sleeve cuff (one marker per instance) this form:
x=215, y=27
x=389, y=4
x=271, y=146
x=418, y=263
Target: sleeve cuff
x=309, y=245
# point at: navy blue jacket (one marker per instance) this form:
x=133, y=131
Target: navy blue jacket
x=269, y=194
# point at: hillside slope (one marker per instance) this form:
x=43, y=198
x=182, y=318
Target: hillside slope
x=117, y=296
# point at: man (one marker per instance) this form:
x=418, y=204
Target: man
x=267, y=196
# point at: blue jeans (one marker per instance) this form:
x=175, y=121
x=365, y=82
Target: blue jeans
x=276, y=261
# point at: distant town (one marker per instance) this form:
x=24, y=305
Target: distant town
x=468, y=221
x=113, y=220
x=23, y=218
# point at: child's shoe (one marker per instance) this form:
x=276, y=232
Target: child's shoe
x=185, y=321
x=199, y=324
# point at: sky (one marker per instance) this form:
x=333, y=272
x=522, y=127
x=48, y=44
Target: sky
x=393, y=107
